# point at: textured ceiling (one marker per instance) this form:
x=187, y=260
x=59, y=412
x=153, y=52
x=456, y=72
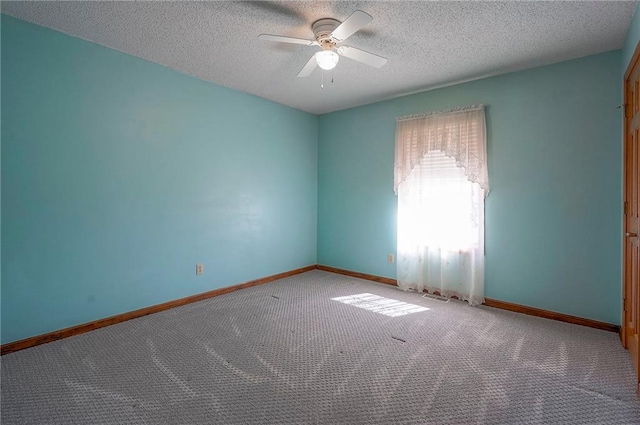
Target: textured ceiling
x=428, y=44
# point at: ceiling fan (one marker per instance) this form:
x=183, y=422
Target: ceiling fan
x=329, y=35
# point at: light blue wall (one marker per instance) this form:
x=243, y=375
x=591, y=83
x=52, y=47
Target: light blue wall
x=633, y=35
x=553, y=215
x=118, y=175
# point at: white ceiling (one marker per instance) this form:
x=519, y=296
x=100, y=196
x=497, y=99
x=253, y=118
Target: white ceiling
x=428, y=44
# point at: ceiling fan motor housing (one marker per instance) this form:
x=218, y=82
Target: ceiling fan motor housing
x=322, y=30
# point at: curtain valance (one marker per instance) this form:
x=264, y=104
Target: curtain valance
x=458, y=133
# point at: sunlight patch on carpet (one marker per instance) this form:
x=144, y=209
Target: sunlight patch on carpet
x=382, y=305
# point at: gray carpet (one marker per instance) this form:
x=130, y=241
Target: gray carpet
x=285, y=353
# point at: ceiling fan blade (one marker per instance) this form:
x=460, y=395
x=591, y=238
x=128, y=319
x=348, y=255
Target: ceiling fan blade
x=291, y=40
x=362, y=56
x=309, y=67
x=275, y=7
x=353, y=23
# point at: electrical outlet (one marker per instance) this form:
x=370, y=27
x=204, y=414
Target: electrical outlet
x=199, y=268
x=390, y=258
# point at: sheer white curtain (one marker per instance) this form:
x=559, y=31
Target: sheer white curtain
x=441, y=181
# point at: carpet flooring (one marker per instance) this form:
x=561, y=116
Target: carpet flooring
x=286, y=353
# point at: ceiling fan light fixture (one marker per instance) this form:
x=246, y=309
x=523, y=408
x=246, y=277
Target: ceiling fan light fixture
x=327, y=59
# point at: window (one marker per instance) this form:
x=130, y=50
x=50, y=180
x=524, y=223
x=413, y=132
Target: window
x=441, y=181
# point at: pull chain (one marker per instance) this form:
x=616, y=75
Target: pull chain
x=322, y=81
